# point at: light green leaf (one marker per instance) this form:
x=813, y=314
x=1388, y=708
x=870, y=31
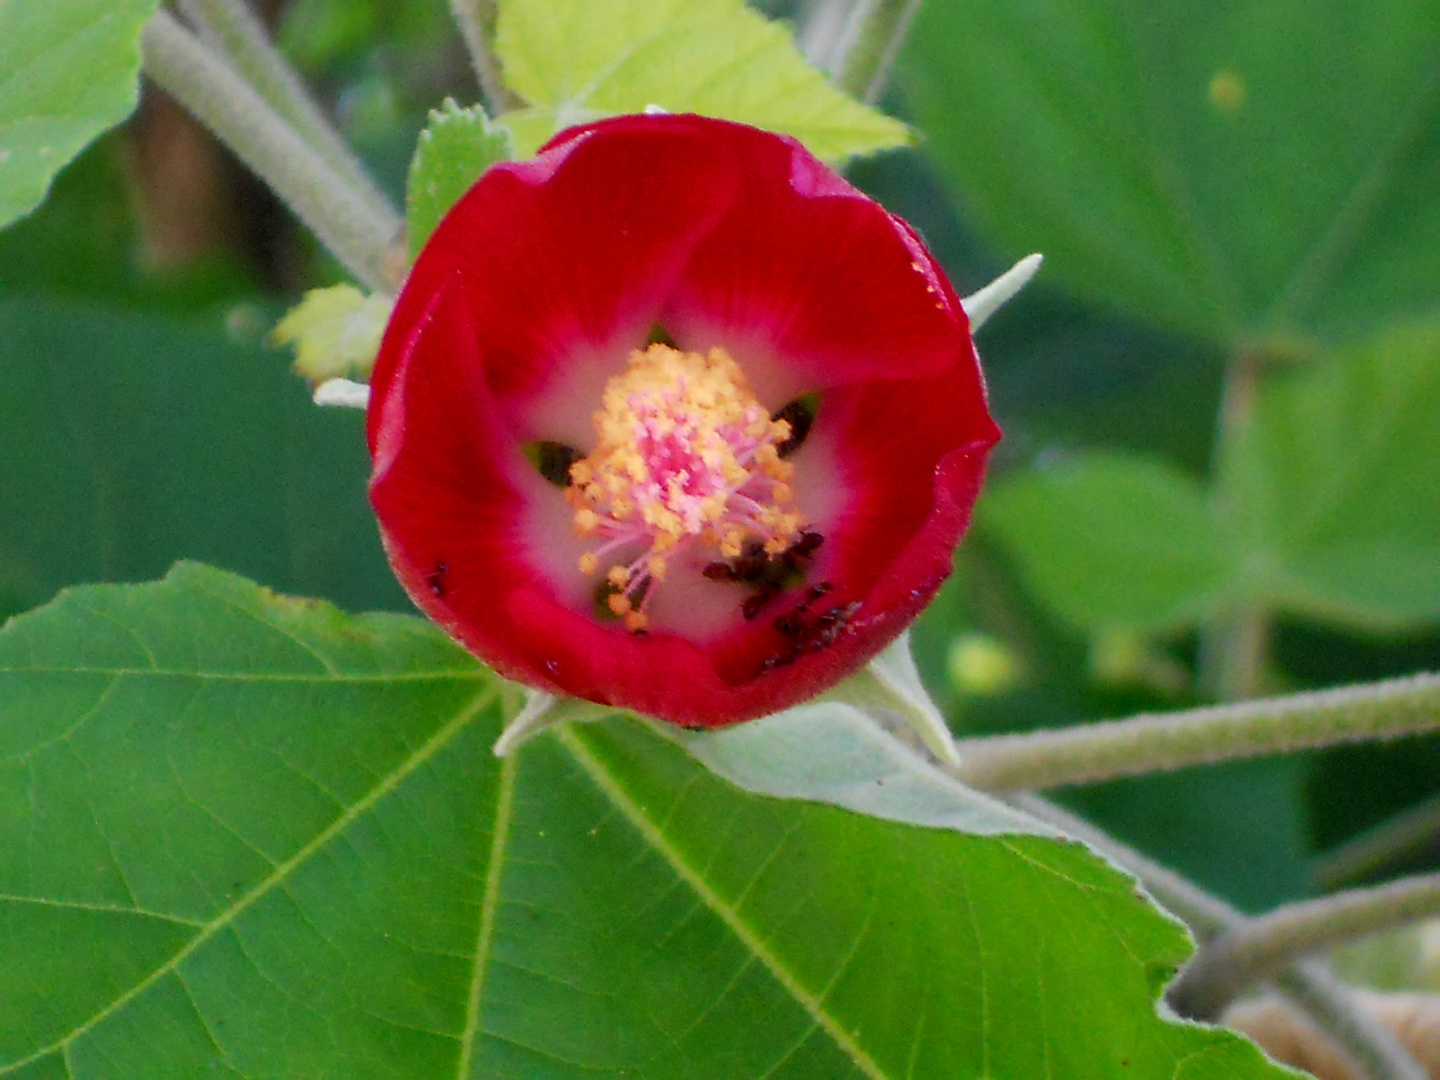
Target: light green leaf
x=335, y=332
x=456, y=146
x=832, y=752
x=1248, y=169
x=69, y=69
x=1110, y=540
x=1338, y=478
x=247, y=836
x=577, y=60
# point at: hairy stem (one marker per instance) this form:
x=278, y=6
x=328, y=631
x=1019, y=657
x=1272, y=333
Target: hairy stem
x=856, y=42
x=230, y=107
x=1159, y=743
x=866, y=65
x=476, y=20
x=232, y=29
x=1335, y=1009
x=1327, y=1001
x=1255, y=949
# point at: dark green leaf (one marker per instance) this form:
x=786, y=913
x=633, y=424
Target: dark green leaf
x=1255, y=167
x=247, y=836
x=1339, y=479
x=1239, y=828
x=1112, y=540
x=129, y=441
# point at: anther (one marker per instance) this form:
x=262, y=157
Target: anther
x=554, y=461
x=799, y=415
x=686, y=455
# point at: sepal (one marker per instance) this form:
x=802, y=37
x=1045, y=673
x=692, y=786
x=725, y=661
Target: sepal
x=541, y=712
x=984, y=302
x=890, y=685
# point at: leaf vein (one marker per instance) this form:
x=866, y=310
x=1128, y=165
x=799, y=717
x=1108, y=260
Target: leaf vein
x=105, y=909
x=748, y=936
x=490, y=902
x=443, y=736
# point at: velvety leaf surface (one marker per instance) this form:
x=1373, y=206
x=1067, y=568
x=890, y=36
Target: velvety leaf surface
x=1339, y=479
x=247, y=836
x=68, y=70
x=1232, y=169
x=831, y=752
x=579, y=60
x=456, y=146
x=1112, y=540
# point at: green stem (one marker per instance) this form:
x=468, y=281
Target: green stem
x=856, y=43
x=1238, y=645
x=1159, y=743
x=866, y=66
x=233, y=30
x=1309, y=985
x=1255, y=949
x=1235, y=644
x=1396, y=840
x=230, y=107
x=476, y=20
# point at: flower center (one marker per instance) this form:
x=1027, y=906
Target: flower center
x=687, y=456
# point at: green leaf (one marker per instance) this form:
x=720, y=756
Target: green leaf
x=128, y=441
x=1253, y=169
x=335, y=332
x=1338, y=479
x=247, y=836
x=69, y=69
x=1113, y=540
x=456, y=146
x=577, y=60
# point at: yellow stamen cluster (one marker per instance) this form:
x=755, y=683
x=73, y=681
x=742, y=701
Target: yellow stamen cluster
x=686, y=454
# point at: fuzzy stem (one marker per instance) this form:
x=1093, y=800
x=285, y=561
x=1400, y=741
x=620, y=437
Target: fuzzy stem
x=856, y=42
x=232, y=30
x=476, y=20
x=1257, y=948
x=1335, y=1009
x=1309, y=985
x=865, y=66
x=1160, y=743
x=225, y=103
x=822, y=31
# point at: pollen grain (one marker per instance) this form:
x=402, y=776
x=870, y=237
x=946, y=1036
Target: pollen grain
x=686, y=455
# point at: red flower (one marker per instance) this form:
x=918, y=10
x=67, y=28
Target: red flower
x=672, y=418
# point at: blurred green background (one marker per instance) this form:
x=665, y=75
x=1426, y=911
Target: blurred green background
x=1240, y=208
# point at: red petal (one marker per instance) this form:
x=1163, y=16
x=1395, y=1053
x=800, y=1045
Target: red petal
x=807, y=274
x=563, y=268
x=531, y=294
